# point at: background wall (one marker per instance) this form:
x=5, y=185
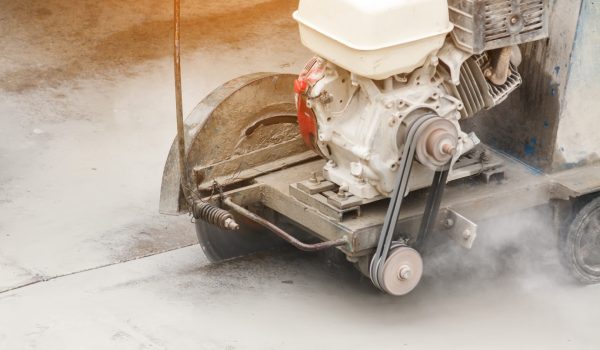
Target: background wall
x=543, y=123
x=578, y=138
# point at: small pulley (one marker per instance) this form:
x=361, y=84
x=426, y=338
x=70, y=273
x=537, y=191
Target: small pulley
x=402, y=270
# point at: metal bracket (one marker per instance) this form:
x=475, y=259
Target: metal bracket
x=323, y=196
x=458, y=227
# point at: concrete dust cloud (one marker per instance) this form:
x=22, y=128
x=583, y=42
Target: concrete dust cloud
x=521, y=249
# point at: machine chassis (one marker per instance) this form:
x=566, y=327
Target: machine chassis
x=519, y=188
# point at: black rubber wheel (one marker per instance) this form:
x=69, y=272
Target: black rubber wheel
x=582, y=244
x=219, y=244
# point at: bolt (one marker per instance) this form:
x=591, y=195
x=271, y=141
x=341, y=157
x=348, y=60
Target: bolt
x=514, y=19
x=343, y=191
x=313, y=178
x=484, y=156
x=448, y=222
x=405, y=272
x=230, y=224
x=325, y=97
x=467, y=234
x=401, y=78
x=449, y=149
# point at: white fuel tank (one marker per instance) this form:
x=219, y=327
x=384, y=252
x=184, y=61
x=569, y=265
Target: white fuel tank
x=374, y=38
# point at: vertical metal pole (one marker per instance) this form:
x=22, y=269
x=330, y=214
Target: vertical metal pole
x=178, y=100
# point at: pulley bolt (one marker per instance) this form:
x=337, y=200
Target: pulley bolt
x=405, y=272
x=449, y=149
x=448, y=222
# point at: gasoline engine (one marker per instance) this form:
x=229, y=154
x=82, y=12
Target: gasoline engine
x=384, y=66
x=390, y=85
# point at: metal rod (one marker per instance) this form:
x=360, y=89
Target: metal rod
x=281, y=233
x=178, y=99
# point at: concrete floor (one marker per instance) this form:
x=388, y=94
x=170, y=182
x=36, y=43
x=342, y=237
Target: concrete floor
x=86, y=261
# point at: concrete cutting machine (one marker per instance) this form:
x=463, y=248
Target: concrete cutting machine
x=413, y=118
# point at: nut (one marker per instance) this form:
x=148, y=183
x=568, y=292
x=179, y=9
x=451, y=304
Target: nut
x=448, y=222
x=405, y=272
x=313, y=178
x=467, y=234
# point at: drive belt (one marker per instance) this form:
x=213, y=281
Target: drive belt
x=385, y=243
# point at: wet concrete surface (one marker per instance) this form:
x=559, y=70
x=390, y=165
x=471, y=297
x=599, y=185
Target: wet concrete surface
x=86, y=261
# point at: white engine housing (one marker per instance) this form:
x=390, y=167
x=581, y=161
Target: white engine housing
x=362, y=123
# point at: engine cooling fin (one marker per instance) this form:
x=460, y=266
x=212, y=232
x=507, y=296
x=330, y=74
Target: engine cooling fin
x=476, y=92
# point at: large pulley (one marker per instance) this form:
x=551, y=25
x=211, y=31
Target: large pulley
x=396, y=268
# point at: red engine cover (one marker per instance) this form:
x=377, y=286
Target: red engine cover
x=307, y=122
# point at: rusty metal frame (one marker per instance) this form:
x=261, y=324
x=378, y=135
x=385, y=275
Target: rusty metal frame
x=308, y=247
x=465, y=202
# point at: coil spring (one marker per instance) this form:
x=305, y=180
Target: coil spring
x=214, y=215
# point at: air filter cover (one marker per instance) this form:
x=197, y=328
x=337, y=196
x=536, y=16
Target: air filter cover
x=375, y=38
